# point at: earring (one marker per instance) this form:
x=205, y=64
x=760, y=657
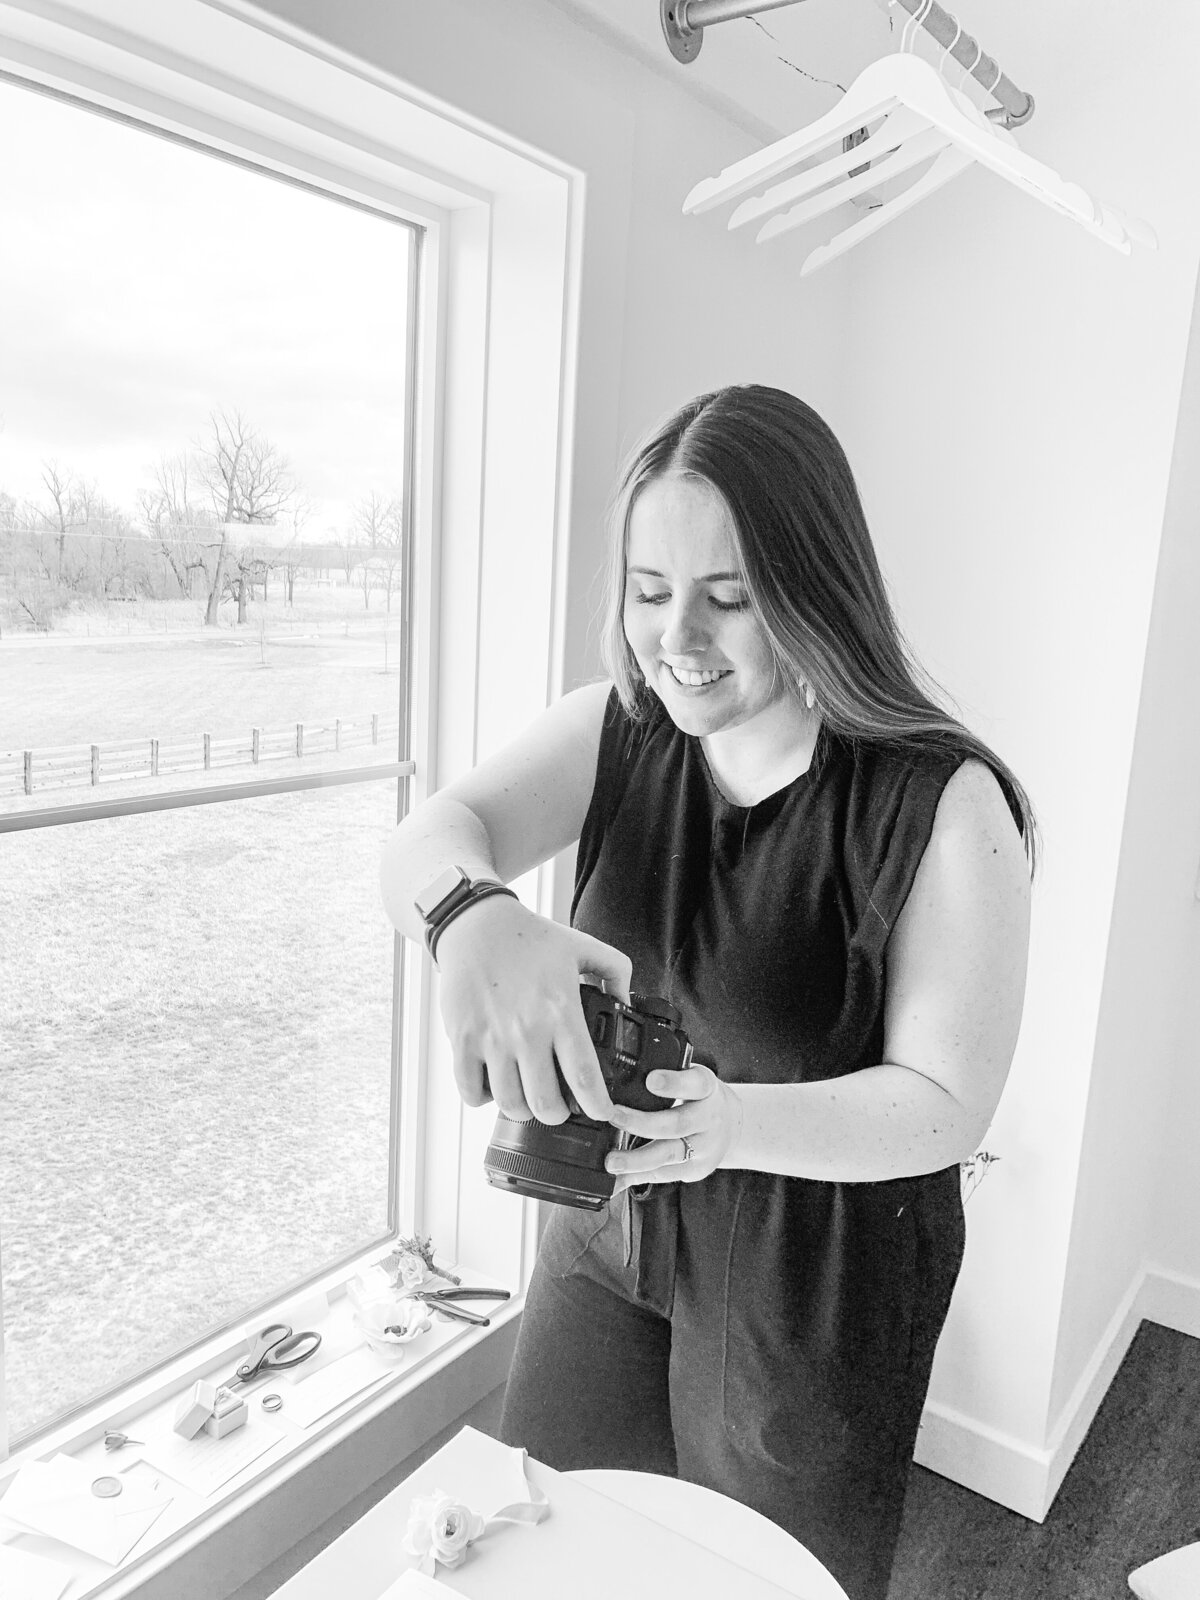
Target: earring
x=806, y=690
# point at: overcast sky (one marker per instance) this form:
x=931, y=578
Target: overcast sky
x=143, y=284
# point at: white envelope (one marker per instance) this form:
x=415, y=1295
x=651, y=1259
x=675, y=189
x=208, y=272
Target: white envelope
x=414, y=1585
x=55, y=1498
x=29, y=1577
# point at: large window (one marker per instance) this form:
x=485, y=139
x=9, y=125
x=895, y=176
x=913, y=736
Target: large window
x=206, y=379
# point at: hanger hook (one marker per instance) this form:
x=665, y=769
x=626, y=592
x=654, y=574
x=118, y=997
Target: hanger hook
x=969, y=72
x=950, y=47
x=914, y=21
x=918, y=18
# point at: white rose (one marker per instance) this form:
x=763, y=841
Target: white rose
x=411, y=1271
x=454, y=1527
x=440, y=1529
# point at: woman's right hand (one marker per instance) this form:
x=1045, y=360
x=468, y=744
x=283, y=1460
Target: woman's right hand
x=510, y=1003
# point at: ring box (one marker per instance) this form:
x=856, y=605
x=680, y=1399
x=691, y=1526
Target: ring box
x=228, y=1413
x=194, y=1410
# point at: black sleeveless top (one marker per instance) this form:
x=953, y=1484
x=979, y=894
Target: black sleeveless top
x=767, y=925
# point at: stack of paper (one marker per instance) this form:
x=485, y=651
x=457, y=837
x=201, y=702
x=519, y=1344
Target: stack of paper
x=55, y=1498
x=205, y=1464
x=29, y=1577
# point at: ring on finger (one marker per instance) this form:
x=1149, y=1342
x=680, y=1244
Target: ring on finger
x=688, y=1151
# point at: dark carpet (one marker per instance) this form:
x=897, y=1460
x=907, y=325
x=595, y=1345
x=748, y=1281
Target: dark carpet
x=1132, y=1493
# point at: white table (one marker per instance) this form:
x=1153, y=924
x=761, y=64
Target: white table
x=721, y=1525
x=361, y=1563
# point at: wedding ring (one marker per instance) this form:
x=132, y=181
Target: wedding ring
x=688, y=1152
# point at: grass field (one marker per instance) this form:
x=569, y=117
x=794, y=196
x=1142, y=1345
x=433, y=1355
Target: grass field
x=195, y=1015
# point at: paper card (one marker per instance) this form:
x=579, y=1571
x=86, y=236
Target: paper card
x=310, y=1398
x=28, y=1577
x=55, y=1498
x=204, y=1464
x=414, y=1586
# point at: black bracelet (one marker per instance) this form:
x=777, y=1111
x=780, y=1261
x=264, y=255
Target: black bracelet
x=479, y=891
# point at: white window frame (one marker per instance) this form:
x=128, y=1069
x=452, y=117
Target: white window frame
x=498, y=310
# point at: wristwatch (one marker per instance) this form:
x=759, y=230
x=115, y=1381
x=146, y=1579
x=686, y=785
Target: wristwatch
x=450, y=893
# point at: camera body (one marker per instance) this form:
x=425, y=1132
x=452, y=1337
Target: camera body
x=564, y=1162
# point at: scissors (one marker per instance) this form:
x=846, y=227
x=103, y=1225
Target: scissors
x=275, y=1347
x=445, y=1301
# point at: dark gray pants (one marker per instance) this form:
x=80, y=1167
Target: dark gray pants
x=600, y=1381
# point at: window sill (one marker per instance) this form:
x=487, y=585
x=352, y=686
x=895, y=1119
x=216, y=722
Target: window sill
x=205, y=1547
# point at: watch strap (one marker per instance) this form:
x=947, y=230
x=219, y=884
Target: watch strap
x=439, y=921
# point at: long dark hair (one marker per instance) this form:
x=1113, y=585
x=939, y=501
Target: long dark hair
x=810, y=570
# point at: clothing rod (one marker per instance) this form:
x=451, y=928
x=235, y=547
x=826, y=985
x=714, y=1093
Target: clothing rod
x=684, y=22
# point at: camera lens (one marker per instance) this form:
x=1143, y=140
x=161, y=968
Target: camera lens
x=564, y=1163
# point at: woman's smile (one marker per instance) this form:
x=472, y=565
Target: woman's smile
x=695, y=677
x=688, y=617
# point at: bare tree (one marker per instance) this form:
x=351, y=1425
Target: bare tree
x=176, y=519
x=371, y=519
x=302, y=511
x=109, y=554
x=391, y=552
x=248, y=481
x=69, y=507
x=378, y=521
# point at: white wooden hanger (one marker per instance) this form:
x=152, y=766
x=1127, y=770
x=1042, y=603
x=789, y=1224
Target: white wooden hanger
x=922, y=118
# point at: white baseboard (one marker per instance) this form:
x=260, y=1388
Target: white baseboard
x=1171, y=1300
x=991, y=1463
x=1070, y=1428
x=1026, y=1477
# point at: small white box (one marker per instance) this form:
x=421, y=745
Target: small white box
x=194, y=1410
x=229, y=1413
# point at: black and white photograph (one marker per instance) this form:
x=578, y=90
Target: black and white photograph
x=599, y=800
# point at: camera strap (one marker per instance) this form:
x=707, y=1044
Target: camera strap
x=650, y=1230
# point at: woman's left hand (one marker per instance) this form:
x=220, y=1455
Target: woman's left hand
x=689, y=1140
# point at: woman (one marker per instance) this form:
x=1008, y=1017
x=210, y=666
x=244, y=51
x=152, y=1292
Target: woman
x=782, y=833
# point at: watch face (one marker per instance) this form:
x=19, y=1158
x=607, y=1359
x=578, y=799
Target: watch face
x=443, y=887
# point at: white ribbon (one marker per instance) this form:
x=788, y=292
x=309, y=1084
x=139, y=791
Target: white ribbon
x=441, y=1528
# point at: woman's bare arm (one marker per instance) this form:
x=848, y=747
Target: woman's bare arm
x=510, y=978
x=513, y=811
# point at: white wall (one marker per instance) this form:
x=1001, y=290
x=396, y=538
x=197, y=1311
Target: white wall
x=1144, y=1080
x=1012, y=401
x=1165, y=804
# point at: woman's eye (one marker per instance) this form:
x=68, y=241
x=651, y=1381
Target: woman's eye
x=644, y=599
x=729, y=605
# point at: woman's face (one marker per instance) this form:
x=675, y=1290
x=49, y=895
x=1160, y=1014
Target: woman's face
x=687, y=614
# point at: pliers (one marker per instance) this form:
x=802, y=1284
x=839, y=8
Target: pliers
x=445, y=1301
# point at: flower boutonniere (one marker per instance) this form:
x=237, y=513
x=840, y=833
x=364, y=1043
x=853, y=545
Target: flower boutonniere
x=411, y=1262
x=439, y=1530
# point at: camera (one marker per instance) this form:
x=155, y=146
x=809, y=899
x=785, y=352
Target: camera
x=564, y=1162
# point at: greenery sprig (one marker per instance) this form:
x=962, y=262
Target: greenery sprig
x=974, y=1171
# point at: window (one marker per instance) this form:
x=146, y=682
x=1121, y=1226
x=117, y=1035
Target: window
x=204, y=593
x=494, y=287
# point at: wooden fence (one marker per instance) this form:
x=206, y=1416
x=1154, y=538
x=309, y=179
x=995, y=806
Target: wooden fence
x=82, y=765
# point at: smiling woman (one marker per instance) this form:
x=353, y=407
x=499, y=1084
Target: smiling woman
x=784, y=837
